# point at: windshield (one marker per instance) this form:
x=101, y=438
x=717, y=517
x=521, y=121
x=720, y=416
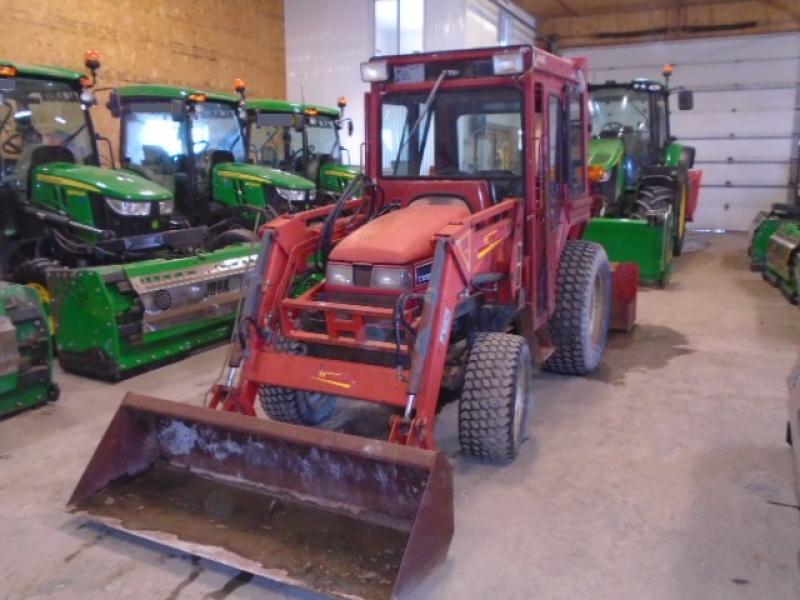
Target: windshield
x=464, y=134
x=215, y=127
x=274, y=142
x=36, y=113
x=156, y=144
x=620, y=111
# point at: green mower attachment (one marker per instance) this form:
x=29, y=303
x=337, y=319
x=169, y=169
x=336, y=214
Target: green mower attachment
x=26, y=352
x=116, y=321
x=783, y=260
x=764, y=226
x=645, y=242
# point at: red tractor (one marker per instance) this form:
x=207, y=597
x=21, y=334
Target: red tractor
x=461, y=261
x=458, y=263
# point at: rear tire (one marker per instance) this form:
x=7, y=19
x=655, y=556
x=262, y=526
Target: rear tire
x=579, y=325
x=680, y=219
x=496, y=398
x=288, y=405
x=232, y=236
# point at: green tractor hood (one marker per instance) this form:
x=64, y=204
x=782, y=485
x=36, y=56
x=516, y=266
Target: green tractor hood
x=605, y=153
x=122, y=185
x=262, y=175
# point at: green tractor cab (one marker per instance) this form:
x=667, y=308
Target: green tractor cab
x=26, y=352
x=132, y=282
x=192, y=143
x=56, y=202
x=302, y=139
x=642, y=178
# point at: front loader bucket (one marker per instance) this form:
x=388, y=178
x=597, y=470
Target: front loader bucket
x=341, y=515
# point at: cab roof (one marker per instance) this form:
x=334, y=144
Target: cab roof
x=43, y=71
x=171, y=92
x=283, y=106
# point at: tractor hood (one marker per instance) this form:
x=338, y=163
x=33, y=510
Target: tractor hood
x=339, y=171
x=122, y=185
x=260, y=174
x=401, y=237
x=605, y=153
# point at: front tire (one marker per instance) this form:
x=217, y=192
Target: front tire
x=496, y=398
x=579, y=325
x=232, y=236
x=288, y=405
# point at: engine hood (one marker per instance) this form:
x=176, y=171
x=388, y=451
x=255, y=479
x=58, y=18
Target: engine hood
x=122, y=185
x=605, y=153
x=401, y=237
x=261, y=174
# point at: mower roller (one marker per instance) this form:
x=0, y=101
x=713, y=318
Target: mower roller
x=641, y=176
x=459, y=264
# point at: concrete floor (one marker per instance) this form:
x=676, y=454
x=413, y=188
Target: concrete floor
x=663, y=476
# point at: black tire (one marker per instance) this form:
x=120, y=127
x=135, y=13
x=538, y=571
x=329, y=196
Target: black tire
x=230, y=237
x=496, y=398
x=680, y=218
x=295, y=406
x=579, y=325
x=35, y=270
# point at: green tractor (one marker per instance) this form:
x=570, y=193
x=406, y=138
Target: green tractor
x=641, y=176
x=192, y=142
x=302, y=139
x=132, y=283
x=26, y=352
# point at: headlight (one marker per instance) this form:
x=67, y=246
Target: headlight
x=391, y=278
x=374, y=71
x=339, y=274
x=129, y=209
x=312, y=195
x=166, y=207
x=292, y=196
x=509, y=63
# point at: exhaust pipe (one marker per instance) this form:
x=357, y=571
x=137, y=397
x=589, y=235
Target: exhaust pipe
x=340, y=515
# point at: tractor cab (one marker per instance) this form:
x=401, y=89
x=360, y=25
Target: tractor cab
x=53, y=191
x=192, y=142
x=301, y=139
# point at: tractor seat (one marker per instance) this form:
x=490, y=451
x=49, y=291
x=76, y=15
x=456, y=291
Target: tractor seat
x=43, y=155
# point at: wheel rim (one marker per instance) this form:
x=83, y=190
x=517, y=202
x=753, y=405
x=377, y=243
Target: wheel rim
x=521, y=392
x=597, y=309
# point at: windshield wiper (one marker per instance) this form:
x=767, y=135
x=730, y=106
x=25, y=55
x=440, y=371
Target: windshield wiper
x=422, y=114
x=73, y=135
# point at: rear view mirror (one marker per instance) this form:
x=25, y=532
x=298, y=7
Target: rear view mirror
x=114, y=105
x=685, y=100
x=178, y=110
x=341, y=122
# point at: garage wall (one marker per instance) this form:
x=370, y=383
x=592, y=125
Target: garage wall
x=745, y=121
x=202, y=43
x=327, y=42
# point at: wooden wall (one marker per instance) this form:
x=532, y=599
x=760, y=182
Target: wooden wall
x=679, y=20
x=199, y=43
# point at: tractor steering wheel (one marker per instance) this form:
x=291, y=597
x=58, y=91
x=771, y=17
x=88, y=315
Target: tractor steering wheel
x=14, y=144
x=614, y=126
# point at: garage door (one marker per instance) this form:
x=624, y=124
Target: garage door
x=745, y=121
